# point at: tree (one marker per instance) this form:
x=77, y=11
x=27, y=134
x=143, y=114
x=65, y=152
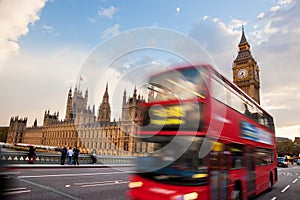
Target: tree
x=287, y=147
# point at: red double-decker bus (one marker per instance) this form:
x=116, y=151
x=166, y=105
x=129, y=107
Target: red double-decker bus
x=209, y=139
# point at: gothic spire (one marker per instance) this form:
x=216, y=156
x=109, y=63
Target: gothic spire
x=105, y=96
x=86, y=93
x=70, y=92
x=134, y=93
x=104, y=111
x=69, y=106
x=243, y=38
x=124, y=96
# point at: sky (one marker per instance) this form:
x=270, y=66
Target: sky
x=47, y=45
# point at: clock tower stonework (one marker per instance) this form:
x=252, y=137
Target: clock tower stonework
x=246, y=71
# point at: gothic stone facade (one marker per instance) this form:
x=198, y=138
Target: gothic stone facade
x=80, y=127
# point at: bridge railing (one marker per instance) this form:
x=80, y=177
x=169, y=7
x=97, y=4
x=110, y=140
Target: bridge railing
x=45, y=158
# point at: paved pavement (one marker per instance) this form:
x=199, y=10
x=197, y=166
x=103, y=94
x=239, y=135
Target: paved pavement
x=96, y=165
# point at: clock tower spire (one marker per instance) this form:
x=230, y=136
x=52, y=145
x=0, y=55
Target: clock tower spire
x=246, y=71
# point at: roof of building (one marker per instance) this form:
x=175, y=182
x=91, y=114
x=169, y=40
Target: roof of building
x=243, y=38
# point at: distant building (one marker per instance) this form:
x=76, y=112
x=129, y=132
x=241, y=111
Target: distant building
x=80, y=127
x=16, y=130
x=33, y=135
x=281, y=139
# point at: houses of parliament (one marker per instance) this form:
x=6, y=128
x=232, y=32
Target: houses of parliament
x=80, y=126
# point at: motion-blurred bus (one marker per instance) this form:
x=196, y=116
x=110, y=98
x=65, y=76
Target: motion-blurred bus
x=209, y=139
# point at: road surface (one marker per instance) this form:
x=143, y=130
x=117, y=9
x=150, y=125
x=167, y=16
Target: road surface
x=110, y=183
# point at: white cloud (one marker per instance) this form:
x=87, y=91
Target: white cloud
x=220, y=40
x=107, y=12
x=235, y=23
x=274, y=8
x=215, y=20
x=114, y=30
x=261, y=15
x=285, y=2
x=93, y=20
x=205, y=17
x=269, y=29
x=49, y=29
x=38, y=82
x=16, y=16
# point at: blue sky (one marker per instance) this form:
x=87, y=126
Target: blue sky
x=84, y=23
x=44, y=44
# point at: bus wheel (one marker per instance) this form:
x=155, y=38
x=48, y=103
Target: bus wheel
x=270, y=182
x=237, y=192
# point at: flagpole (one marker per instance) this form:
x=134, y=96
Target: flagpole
x=80, y=79
x=79, y=83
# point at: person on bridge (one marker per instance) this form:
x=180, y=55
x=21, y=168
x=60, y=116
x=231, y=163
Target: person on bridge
x=76, y=154
x=63, y=155
x=31, y=154
x=94, y=157
x=70, y=154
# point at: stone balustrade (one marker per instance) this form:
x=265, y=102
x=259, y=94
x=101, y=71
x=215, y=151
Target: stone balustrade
x=45, y=158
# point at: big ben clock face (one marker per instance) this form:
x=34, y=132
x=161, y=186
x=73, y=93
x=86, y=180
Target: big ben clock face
x=242, y=73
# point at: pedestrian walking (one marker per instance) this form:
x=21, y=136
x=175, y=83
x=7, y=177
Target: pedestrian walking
x=70, y=154
x=76, y=155
x=63, y=155
x=94, y=157
x=31, y=154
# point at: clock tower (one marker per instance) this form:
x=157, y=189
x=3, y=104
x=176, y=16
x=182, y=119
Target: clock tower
x=246, y=71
